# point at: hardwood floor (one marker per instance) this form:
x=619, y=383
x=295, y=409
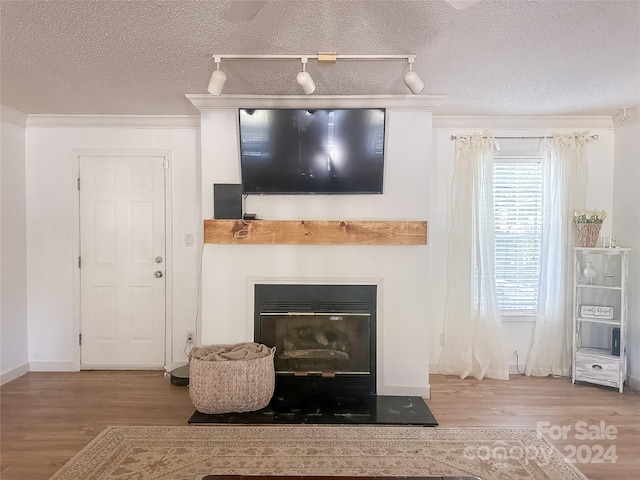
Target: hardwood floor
x=46, y=418
x=525, y=401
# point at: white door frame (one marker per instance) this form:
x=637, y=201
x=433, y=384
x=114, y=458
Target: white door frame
x=75, y=170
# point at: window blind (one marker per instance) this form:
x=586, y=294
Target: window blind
x=517, y=190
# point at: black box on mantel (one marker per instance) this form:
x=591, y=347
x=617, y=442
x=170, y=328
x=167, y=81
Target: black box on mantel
x=615, y=341
x=227, y=201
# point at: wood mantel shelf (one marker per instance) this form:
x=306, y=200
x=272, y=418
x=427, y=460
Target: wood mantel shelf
x=315, y=232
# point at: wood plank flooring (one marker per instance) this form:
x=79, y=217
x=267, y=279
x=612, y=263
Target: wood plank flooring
x=525, y=401
x=46, y=418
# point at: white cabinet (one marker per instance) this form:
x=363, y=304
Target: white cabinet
x=600, y=316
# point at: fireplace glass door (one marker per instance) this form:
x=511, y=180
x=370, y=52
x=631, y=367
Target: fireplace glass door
x=319, y=343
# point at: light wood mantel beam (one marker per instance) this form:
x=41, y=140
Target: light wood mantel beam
x=315, y=232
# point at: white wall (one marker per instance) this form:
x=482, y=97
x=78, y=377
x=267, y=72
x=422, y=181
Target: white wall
x=13, y=251
x=418, y=176
x=403, y=313
x=626, y=227
x=52, y=226
x=517, y=334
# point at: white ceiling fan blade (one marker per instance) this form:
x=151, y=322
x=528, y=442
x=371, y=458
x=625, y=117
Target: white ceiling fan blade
x=462, y=4
x=238, y=11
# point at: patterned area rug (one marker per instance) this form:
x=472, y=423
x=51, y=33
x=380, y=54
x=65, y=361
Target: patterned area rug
x=189, y=453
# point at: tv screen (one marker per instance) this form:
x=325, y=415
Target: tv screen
x=290, y=151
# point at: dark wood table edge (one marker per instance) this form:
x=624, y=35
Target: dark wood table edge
x=316, y=477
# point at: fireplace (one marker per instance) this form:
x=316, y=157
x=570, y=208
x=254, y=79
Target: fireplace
x=325, y=337
x=325, y=360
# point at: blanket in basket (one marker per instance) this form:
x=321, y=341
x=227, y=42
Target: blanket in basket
x=231, y=378
x=240, y=351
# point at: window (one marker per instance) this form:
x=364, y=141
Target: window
x=517, y=191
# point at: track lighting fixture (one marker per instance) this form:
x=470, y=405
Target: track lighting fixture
x=218, y=77
x=304, y=79
x=412, y=80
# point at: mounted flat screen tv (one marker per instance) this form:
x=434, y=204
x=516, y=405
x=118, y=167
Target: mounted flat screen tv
x=296, y=151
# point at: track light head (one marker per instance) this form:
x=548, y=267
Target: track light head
x=412, y=80
x=306, y=82
x=304, y=79
x=218, y=77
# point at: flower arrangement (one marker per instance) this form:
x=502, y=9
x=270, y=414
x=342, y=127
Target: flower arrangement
x=589, y=216
x=587, y=225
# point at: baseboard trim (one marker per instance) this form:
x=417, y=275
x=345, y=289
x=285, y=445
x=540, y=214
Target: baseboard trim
x=633, y=383
x=175, y=365
x=121, y=367
x=52, y=367
x=410, y=391
x=14, y=373
x=513, y=369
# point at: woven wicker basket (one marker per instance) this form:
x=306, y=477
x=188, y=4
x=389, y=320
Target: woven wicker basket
x=232, y=385
x=586, y=234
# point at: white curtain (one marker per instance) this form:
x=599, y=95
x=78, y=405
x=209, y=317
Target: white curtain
x=472, y=330
x=564, y=167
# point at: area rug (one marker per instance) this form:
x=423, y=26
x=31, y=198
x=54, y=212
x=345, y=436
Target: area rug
x=189, y=453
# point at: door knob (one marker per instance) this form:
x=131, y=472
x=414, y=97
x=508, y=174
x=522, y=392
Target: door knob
x=157, y=274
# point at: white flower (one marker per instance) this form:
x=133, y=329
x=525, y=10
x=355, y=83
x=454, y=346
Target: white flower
x=589, y=216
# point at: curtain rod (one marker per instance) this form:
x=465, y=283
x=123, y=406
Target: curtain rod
x=454, y=137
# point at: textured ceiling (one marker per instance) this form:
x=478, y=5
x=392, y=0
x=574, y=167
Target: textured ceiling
x=494, y=58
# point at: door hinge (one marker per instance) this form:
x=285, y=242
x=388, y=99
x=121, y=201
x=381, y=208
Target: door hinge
x=79, y=339
x=78, y=183
x=79, y=262
x=165, y=164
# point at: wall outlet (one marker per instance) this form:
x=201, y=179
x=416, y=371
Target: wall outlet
x=190, y=336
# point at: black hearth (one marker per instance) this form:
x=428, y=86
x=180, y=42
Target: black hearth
x=325, y=338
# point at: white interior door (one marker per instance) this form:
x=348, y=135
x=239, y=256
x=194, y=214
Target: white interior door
x=122, y=274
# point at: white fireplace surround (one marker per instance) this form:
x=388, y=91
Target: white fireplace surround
x=231, y=272
x=401, y=273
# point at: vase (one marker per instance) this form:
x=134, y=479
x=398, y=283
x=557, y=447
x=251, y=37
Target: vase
x=590, y=273
x=587, y=234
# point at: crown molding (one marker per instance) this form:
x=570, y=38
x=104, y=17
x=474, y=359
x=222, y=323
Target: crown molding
x=114, y=121
x=627, y=116
x=522, y=122
x=12, y=116
x=402, y=102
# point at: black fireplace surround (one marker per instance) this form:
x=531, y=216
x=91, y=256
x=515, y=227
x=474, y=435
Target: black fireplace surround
x=325, y=338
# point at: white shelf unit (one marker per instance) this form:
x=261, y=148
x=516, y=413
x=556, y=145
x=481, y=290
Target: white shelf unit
x=594, y=359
